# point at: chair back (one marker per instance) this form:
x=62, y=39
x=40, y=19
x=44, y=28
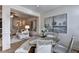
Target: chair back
x=70, y=45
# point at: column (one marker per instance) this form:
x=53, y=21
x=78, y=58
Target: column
x=5, y=27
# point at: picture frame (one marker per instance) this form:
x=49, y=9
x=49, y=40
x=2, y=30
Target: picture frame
x=56, y=23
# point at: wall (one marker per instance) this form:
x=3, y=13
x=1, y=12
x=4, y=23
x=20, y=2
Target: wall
x=41, y=22
x=72, y=23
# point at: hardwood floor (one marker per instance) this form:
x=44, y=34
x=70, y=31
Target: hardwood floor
x=14, y=46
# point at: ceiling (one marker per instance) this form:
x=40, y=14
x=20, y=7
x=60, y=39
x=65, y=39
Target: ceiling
x=41, y=8
x=37, y=8
x=19, y=14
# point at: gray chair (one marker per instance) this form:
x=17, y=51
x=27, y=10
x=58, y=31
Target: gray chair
x=61, y=48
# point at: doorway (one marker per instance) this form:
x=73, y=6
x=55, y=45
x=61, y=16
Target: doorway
x=18, y=21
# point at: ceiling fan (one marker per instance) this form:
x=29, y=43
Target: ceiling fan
x=13, y=14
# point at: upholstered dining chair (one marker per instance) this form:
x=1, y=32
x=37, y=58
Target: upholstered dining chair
x=61, y=48
x=44, y=46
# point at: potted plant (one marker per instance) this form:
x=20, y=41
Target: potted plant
x=43, y=32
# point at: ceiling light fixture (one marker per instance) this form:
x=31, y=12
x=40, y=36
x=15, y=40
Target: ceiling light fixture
x=13, y=14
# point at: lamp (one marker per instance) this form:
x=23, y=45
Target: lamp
x=27, y=26
x=26, y=31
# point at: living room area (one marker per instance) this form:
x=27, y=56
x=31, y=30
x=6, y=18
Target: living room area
x=40, y=29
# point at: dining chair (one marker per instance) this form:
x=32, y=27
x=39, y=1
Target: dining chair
x=44, y=46
x=61, y=48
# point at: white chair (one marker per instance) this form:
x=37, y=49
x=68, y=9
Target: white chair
x=60, y=48
x=44, y=46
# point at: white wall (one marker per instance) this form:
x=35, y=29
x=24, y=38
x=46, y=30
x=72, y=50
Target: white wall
x=41, y=23
x=5, y=27
x=72, y=22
